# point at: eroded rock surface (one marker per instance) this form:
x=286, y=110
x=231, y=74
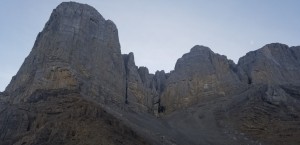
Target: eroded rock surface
x=77, y=50
x=266, y=114
x=143, y=89
x=76, y=87
x=273, y=64
x=62, y=117
x=200, y=74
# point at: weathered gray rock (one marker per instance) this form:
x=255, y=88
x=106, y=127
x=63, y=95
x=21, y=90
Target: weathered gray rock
x=142, y=88
x=199, y=75
x=61, y=117
x=75, y=87
x=77, y=50
x=4, y=97
x=267, y=113
x=136, y=95
x=272, y=64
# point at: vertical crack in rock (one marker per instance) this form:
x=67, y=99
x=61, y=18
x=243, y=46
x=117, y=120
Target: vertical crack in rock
x=125, y=58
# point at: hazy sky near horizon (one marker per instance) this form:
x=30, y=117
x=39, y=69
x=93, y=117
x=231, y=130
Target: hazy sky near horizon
x=159, y=32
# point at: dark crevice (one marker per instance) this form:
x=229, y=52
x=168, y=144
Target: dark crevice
x=161, y=109
x=94, y=20
x=249, y=81
x=29, y=124
x=126, y=58
x=42, y=95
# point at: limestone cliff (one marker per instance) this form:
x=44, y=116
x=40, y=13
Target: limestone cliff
x=143, y=89
x=199, y=75
x=77, y=50
x=76, y=87
x=273, y=64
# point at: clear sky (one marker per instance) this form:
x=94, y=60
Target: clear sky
x=159, y=31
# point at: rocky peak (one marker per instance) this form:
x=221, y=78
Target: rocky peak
x=199, y=75
x=199, y=48
x=199, y=56
x=275, y=46
x=73, y=12
x=160, y=79
x=274, y=63
x=144, y=73
x=129, y=60
x=202, y=59
x=75, y=87
x=79, y=50
x=142, y=88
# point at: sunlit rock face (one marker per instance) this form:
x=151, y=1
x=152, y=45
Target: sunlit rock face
x=199, y=75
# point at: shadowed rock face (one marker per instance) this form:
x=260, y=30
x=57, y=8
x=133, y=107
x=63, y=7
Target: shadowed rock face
x=78, y=50
x=62, y=117
x=76, y=87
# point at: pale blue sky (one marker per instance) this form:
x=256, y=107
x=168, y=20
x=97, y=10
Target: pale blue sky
x=159, y=31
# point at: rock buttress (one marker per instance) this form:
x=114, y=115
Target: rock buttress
x=77, y=50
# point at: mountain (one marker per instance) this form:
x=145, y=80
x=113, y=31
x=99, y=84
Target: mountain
x=76, y=87
x=200, y=75
x=273, y=64
x=77, y=49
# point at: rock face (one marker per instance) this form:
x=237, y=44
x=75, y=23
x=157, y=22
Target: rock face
x=136, y=93
x=142, y=89
x=273, y=64
x=76, y=87
x=77, y=50
x=62, y=117
x=268, y=114
x=200, y=74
